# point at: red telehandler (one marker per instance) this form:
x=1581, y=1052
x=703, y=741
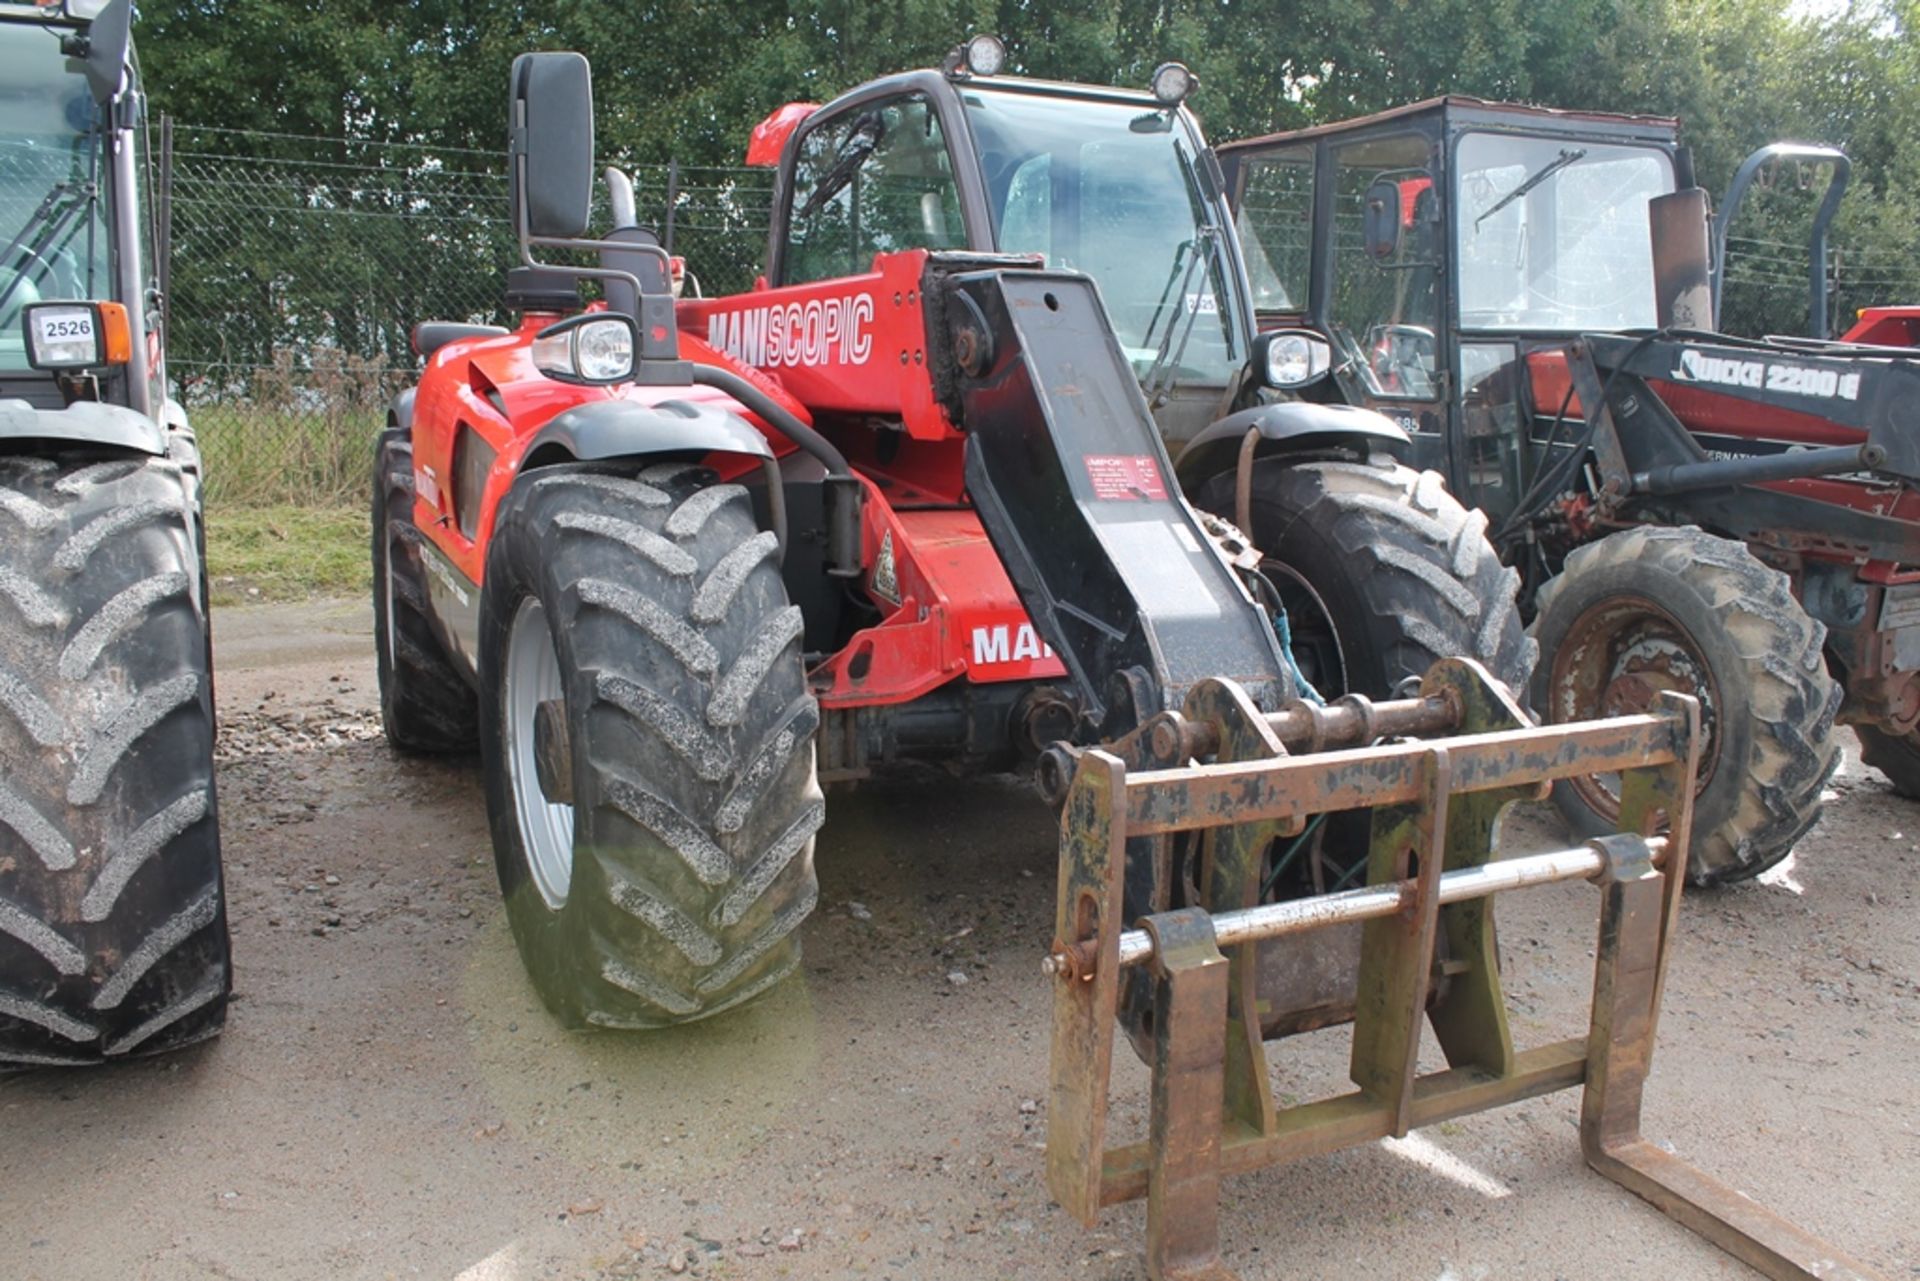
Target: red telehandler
x=673, y=566
x=788, y=504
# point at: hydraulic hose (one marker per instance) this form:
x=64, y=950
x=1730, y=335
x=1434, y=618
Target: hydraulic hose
x=779, y=416
x=843, y=487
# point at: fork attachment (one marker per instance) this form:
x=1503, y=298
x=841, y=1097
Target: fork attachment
x=1430, y=880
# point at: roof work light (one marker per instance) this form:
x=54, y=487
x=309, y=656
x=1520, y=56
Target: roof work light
x=1172, y=83
x=983, y=55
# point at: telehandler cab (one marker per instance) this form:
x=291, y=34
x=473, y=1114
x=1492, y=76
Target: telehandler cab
x=673, y=566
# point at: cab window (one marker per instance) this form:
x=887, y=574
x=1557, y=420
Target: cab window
x=1276, y=227
x=875, y=179
x=1386, y=264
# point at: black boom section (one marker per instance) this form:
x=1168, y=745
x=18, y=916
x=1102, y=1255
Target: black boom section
x=1077, y=495
x=1653, y=466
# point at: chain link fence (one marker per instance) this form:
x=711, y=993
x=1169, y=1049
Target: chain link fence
x=300, y=266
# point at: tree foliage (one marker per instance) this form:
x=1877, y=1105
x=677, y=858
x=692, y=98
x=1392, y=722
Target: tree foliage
x=686, y=80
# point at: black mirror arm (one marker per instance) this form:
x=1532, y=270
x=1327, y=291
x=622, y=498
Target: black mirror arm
x=659, y=335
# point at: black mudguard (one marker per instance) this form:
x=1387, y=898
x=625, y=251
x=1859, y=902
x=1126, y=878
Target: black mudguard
x=87, y=422
x=1291, y=424
x=625, y=429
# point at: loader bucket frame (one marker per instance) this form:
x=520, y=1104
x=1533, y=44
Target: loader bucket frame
x=1430, y=874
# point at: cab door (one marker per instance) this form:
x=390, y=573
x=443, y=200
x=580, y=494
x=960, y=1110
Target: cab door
x=876, y=176
x=1384, y=308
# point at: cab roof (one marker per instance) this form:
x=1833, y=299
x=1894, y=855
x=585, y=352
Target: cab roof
x=1461, y=110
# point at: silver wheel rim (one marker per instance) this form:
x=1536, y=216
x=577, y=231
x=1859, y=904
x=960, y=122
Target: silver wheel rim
x=532, y=678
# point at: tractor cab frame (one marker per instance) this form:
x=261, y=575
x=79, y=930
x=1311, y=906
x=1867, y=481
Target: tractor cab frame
x=1436, y=245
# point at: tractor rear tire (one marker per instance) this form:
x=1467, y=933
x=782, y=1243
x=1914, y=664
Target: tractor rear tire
x=1656, y=608
x=1394, y=566
x=425, y=705
x=1895, y=755
x=113, y=929
x=647, y=735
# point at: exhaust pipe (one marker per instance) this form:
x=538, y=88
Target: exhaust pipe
x=620, y=196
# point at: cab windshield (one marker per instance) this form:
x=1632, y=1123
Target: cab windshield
x=1552, y=233
x=53, y=240
x=1111, y=189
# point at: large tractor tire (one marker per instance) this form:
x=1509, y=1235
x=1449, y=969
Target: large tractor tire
x=1654, y=609
x=113, y=927
x=647, y=736
x=1895, y=755
x=424, y=704
x=1383, y=573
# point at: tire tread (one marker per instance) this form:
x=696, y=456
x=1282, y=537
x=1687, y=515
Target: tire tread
x=696, y=799
x=112, y=907
x=1781, y=648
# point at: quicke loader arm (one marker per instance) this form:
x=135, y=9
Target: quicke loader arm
x=1646, y=454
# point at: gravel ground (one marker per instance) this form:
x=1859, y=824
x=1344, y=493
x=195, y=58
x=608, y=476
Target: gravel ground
x=390, y=1100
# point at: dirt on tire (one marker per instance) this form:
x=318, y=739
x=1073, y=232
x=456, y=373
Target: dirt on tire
x=113, y=932
x=690, y=731
x=425, y=705
x=1775, y=748
x=1391, y=551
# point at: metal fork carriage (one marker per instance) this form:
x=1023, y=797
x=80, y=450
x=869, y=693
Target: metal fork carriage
x=1430, y=878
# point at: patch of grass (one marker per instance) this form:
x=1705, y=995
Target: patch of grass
x=260, y=456
x=282, y=552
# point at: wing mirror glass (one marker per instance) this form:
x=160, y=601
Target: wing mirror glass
x=1381, y=219
x=550, y=153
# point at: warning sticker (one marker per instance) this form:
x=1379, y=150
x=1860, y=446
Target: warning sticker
x=1125, y=477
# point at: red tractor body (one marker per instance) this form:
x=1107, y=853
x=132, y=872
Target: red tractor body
x=852, y=347
x=1886, y=327
x=477, y=409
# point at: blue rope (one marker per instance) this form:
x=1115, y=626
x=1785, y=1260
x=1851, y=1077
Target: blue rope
x=1283, y=630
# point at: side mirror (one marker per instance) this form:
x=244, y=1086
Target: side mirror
x=550, y=144
x=1381, y=219
x=1291, y=358
x=108, y=39
x=1679, y=224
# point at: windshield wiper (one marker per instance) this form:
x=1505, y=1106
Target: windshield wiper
x=1180, y=253
x=44, y=226
x=1167, y=356
x=1566, y=157
x=866, y=138
x=1207, y=236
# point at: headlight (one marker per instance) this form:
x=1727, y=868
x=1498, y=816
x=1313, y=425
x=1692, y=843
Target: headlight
x=603, y=352
x=1296, y=358
x=593, y=348
x=76, y=335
